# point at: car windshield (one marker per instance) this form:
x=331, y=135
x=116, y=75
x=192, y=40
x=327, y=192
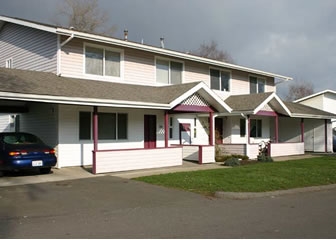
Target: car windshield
x=21, y=138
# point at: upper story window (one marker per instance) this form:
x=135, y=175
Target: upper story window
x=102, y=61
x=220, y=80
x=9, y=63
x=168, y=72
x=257, y=84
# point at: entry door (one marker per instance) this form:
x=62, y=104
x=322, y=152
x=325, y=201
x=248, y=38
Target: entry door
x=185, y=133
x=150, y=131
x=219, y=130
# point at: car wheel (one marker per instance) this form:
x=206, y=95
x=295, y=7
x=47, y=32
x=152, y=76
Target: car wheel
x=45, y=170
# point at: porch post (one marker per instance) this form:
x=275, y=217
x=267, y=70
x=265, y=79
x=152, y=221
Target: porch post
x=302, y=130
x=95, y=138
x=248, y=129
x=276, y=128
x=326, y=135
x=166, y=130
x=211, y=126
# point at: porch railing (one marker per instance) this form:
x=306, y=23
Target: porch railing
x=134, y=159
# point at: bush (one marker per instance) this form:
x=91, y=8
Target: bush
x=263, y=158
x=223, y=158
x=232, y=162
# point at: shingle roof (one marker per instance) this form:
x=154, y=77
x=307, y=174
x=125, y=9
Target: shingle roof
x=247, y=102
x=300, y=109
x=43, y=83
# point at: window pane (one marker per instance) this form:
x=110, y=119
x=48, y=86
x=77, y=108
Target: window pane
x=162, y=71
x=253, y=85
x=253, y=132
x=259, y=127
x=122, y=126
x=106, y=125
x=225, y=80
x=112, y=63
x=242, y=128
x=94, y=60
x=214, y=79
x=84, y=125
x=176, y=72
x=261, y=86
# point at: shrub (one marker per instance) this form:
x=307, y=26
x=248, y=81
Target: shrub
x=223, y=158
x=263, y=158
x=232, y=162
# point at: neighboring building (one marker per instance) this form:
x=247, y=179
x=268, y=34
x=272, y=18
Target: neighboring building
x=119, y=105
x=324, y=100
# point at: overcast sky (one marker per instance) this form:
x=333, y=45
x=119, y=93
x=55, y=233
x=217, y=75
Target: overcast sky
x=295, y=38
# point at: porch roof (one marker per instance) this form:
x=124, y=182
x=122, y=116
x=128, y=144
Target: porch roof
x=37, y=86
x=252, y=103
x=303, y=111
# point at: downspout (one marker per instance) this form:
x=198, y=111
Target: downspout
x=247, y=136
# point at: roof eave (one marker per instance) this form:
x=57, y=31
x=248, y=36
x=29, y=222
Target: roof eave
x=81, y=101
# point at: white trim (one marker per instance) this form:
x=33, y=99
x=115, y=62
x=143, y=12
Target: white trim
x=267, y=100
x=104, y=77
x=300, y=115
x=81, y=101
x=29, y=24
x=9, y=63
x=199, y=86
x=169, y=70
x=59, y=54
x=220, y=75
x=314, y=95
x=258, y=78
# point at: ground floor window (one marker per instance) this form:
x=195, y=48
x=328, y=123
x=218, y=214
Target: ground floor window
x=111, y=126
x=256, y=128
x=242, y=127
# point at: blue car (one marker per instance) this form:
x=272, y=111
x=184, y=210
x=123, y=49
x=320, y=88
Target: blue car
x=20, y=151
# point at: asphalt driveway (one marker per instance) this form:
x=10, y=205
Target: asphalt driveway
x=113, y=207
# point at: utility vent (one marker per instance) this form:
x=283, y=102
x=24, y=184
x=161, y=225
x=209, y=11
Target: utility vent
x=195, y=100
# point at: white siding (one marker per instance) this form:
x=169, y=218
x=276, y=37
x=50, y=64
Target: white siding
x=114, y=161
x=5, y=123
x=286, y=149
x=29, y=48
x=75, y=152
x=252, y=150
x=208, y=154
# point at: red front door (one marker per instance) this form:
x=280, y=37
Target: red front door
x=150, y=131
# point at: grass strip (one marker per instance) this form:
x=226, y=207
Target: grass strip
x=261, y=177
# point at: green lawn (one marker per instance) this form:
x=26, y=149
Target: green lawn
x=258, y=177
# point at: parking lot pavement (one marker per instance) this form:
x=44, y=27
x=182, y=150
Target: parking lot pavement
x=33, y=176
x=70, y=173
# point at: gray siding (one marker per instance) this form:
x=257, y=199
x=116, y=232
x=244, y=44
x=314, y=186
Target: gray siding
x=30, y=49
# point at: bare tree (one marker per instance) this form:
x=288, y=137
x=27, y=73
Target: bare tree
x=84, y=15
x=210, y=50
x=299, y=90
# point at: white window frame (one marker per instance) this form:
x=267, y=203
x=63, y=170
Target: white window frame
x=169, y=70
x=103, y=77
x=9, y=63
x=220, y=77
x=259, y=78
